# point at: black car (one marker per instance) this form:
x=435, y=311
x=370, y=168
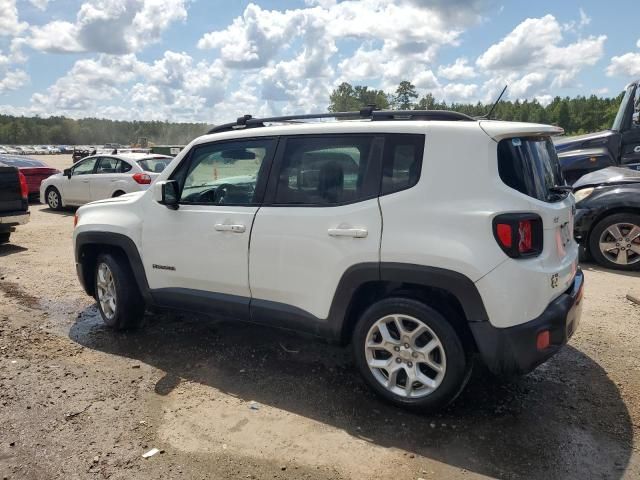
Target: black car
x=607, y=222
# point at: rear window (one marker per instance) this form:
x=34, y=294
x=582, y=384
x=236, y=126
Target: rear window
x=530, y=165
x=21, y=163
x=155, y=165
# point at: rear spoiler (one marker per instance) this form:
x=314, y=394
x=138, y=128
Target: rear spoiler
x=499, y=130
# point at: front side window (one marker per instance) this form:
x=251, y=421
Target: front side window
x=85, y=167
x=327, y=170
x=225, y=173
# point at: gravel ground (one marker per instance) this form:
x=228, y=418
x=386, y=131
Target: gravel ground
x=222, y=400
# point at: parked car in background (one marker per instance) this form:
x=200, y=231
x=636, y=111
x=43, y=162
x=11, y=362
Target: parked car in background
x=619, y=146
x=14, y=202
x=101, y=176
x=607, y=221
x=24, y=150
x=35, y=171
x=7, y=150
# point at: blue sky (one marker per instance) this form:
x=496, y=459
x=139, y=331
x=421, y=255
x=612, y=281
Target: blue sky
x=213, y=60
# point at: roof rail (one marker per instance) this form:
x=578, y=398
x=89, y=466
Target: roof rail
x=369, y=112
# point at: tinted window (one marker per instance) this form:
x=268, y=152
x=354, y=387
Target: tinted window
x=402, y=162
x=21, y=162
x=124, y=167
x=109, y=165
x=531, y=166
x=325, y=170
x=156, y=165
x=224, y=173
x=85, y=167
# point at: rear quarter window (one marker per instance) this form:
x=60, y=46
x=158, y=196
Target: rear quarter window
x=530, y=165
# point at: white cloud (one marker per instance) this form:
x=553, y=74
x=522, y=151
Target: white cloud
x=638, y=44
x=459, y=69
x=39, y=4
x=12, y=80
x=627, y=65
x=533, y=58
x=459, y=92
x=109, y=26
x=9, y=22
x=426, y=80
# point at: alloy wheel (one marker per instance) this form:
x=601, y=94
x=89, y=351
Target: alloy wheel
x=52, y=199
x=106, y=288
x=405, y=356
x=620, y=243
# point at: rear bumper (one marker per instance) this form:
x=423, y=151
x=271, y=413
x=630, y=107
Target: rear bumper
x=12, y=219
x=513, y=350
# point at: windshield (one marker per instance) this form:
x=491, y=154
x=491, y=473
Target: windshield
x=154, y=165
x=617, y=123
x=531, y=166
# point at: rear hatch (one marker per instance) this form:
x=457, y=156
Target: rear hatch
x=530, y=165
x=10, y=195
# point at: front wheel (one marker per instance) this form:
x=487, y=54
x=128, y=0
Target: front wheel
x=119, y=301
x=410, y=355
x=54, y=201
x=615, y=241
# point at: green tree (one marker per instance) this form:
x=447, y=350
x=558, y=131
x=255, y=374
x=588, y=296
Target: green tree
x=405, y=95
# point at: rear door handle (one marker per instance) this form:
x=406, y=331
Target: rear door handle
x=348, y=232
x=224, y=227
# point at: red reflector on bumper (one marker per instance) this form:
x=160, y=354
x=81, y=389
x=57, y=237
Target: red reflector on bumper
x=543, y=340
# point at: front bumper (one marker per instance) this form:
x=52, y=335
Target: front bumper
x=12, y=219
x=513, y=350
x=582, y=224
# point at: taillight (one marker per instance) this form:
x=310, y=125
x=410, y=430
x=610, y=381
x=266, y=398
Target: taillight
x=519, y=234
x=24, y=189
x=142, y=178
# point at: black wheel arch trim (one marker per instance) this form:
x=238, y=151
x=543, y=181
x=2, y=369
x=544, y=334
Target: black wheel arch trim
x=111, y=239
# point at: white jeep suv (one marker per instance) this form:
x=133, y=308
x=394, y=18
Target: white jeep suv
x=425, y=239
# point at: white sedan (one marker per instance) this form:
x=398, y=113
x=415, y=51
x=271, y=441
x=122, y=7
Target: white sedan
x=101, y=176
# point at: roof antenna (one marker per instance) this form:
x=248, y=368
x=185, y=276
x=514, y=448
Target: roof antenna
x=488, y=115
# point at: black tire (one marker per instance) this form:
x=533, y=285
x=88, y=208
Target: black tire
x=51, y=202
x=458, y=365
x=129, y=304
x=4, y=237
x=602, y=226
x=118, y=193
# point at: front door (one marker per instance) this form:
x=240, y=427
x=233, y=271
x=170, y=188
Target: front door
x=77, y=189
x=198, y=254
x=321, y=216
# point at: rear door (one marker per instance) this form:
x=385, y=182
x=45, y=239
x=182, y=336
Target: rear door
x=321, y=216
x=107, y=174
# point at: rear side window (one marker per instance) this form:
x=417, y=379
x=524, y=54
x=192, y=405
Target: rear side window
x=530, y=165
x=402, y=162
x=327, y=170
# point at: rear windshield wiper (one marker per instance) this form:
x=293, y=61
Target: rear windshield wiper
x=561, y=189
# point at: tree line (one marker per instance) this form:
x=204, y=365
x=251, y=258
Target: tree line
x=90, y=131
x=576, y=115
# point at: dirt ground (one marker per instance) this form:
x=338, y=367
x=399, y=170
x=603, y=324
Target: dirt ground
x=224, y=400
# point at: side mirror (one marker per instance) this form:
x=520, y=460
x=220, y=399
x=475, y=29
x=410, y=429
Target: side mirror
x=67, y=172
x=166, y=193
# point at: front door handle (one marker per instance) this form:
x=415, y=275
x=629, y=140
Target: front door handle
x=225, y=227
x=348, y=232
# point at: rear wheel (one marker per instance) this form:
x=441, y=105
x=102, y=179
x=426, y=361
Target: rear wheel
x=615, y=241
x=119, y=301
x=409, y=354
x=52, y=196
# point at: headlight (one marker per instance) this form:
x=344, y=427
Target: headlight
x=582, y=194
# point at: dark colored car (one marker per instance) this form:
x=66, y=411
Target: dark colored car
x=35, y=171
x=607, y=221
x=619, y=146
x=14, y=206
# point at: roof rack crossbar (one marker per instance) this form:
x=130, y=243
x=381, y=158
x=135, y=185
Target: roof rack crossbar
x=247, y=121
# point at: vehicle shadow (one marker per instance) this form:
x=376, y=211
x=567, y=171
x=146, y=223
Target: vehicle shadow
x=66, y=212
x=10, y=248
x=564, y=420
x=594, y=267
